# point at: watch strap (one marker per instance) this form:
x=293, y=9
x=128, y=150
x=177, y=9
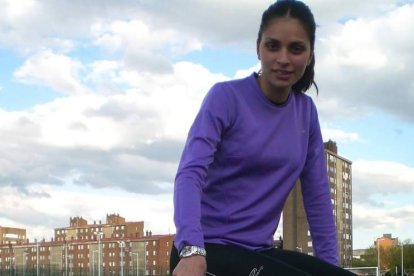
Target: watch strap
x=191, y=250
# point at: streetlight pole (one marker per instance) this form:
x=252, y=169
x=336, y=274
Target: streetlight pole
x=379, y=258
x=10, y=258
x=402, y=259
x=24, y=262
x=93, y=262
x=137, y=260
x=99, y=251
x=66, y=258
x=37, y=258
x=145, y=258
x=122, y=245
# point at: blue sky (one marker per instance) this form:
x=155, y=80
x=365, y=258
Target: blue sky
x=96, y=101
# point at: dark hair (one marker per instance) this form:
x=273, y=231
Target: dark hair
x=300, y=11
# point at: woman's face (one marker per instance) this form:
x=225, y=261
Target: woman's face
x=284, y=51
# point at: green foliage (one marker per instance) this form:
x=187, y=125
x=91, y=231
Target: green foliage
x=368, y=259
x=390, y=257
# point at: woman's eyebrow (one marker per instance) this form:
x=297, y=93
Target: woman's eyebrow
x=272, y=39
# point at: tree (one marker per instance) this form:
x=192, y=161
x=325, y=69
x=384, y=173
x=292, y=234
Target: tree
x=390, y=257
x=394, y=254
x=368, y=259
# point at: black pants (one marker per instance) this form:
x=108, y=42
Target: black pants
x=226, y=260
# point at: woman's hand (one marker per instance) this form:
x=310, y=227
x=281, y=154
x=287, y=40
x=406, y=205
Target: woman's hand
x=191, y=266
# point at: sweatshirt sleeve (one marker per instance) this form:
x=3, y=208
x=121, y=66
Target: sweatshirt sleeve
x=316, y=196
x=203, y=139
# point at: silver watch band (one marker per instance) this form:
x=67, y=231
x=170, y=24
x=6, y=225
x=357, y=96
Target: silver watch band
x=191, y=250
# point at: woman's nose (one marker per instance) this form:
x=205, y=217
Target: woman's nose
x=282, y=57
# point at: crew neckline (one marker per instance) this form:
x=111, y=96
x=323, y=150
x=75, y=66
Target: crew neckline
x=255, y=77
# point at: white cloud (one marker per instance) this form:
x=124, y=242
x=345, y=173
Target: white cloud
x=144, y=48
x=30, y=26
x=364, y=61
x=136, y=35
x=174, y=97
x=101, y=69
x=326, y=13
x=242, y=73
x=357, y=46
x=331, y=108
x=380, y=218
x=14, y=11
x=131, y=139
x=386, y=172
x=370, y=43
x=371, y=178
x=59, y=72
x=198, y=21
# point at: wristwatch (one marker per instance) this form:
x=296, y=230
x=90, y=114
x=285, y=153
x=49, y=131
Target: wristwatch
x=191, y=250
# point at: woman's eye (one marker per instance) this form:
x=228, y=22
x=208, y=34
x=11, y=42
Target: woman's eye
x=297, y=49
x=272, y=46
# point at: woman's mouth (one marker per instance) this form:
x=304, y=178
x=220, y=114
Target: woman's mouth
x=282, y=74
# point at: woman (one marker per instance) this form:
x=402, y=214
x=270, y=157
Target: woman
x=251, y=140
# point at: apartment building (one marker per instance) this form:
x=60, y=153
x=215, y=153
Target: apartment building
x=296, y=235
x=114, y=227
x=12, y=235
x=116, y=247
x=383, y=244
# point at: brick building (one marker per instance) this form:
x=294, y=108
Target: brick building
x=383, y=244
x=114, y=227
x=116, y=247
x=12, y=235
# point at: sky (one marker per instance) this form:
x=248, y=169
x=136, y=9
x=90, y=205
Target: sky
x=96, y=99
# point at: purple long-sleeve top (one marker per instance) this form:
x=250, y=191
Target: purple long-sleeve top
x=242, y=157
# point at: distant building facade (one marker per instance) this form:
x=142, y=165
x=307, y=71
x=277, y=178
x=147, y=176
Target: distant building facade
x=386, y=241
x=12, y=235
x=116, y=247
x=114, y=227
x=383, y=244
x=296, y=235
x=359, y=254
